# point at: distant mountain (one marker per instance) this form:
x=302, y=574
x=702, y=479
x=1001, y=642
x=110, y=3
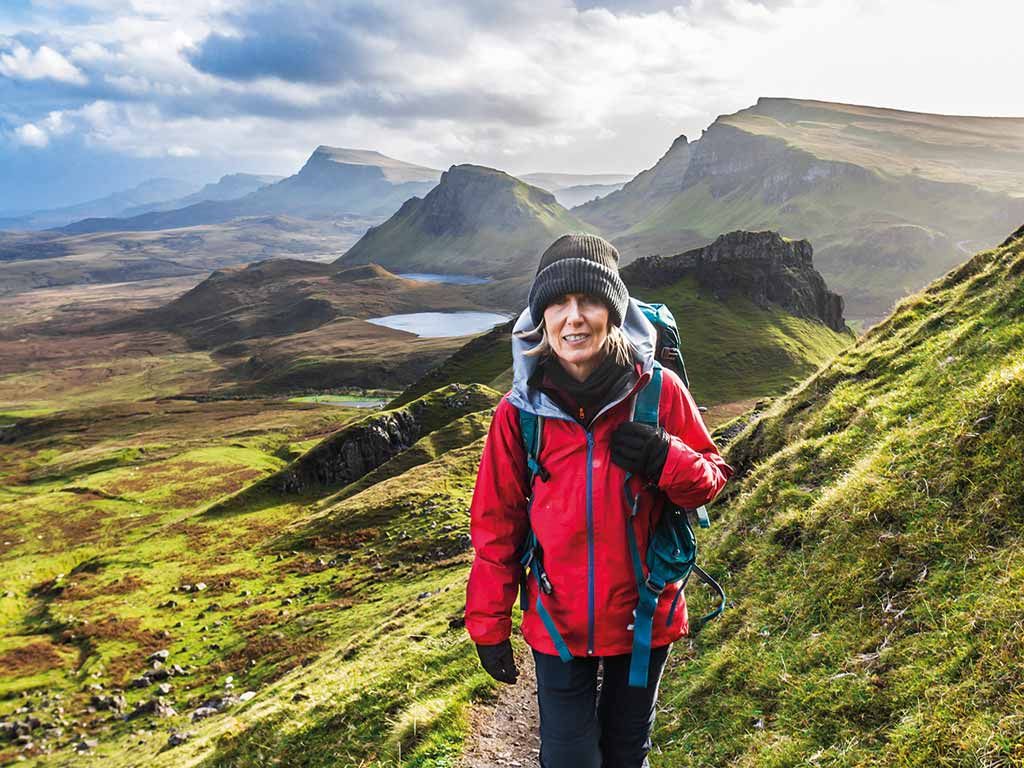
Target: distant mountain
x=229, y=187
x=889, y=199
x=572, y=189
x=553, y=182
x=477, y=221
x=333, y=182
x=116, y=204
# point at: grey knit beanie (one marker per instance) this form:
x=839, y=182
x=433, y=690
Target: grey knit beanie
x=579, y=263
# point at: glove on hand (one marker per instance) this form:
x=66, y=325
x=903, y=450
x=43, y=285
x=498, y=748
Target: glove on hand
x=640, y=449
x=497, y=661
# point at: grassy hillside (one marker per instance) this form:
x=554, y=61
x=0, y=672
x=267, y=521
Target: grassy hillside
x=873, y=553
x=296, y=630
x=875, y=239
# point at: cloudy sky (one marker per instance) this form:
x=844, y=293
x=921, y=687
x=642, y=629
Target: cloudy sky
x=97, y=95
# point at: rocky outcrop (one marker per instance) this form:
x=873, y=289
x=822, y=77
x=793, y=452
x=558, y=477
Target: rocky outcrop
x=347, y=455
x=763, y=267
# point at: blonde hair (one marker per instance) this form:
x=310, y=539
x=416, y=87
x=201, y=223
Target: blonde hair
x=616, y=344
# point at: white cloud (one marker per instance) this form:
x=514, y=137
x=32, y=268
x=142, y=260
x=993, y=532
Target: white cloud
x=38, y=134
x=521, y=86
x=182, y=151
x=22, y=64
x=31, y=135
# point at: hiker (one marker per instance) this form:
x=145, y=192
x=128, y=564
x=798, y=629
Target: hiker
x=582, y=350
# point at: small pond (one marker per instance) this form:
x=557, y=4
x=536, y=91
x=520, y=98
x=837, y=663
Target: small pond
x=437, y=277
x=437, y=324
x=342, y=401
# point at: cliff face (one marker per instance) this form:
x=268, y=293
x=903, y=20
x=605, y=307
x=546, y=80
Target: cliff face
x=890, y=199
x=346, y=456
x=761, y=266
x=728, y=158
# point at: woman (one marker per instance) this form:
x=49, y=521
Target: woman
x=581, y=351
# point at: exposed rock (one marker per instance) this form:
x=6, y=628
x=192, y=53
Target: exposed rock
x=203, y=712
x=649, y=188
x=177, y=739
x=84, y=745
x=246, y=696
x=160, y=655
x=761, y=266
x=156, y=706
x=728, y=157
x=214, y=706
x=350, y=453
x=114, y=703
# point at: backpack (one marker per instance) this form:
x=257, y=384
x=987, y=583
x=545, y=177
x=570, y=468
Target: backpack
x=672, y=550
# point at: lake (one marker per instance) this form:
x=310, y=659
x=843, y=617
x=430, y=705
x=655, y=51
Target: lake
x=438, y=324
x=437, y=277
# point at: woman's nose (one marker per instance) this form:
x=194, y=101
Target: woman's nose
x=574, y=315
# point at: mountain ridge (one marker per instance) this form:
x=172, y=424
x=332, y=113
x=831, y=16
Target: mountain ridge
x=332, y=182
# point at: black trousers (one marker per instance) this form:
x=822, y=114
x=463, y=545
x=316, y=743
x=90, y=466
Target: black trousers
x=582, y=728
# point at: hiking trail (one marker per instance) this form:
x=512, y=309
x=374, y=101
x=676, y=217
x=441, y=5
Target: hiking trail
x=506, y=734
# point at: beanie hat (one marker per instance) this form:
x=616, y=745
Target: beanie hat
x=579, y=263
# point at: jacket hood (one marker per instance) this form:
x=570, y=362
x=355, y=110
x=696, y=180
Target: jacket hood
x=640, y=331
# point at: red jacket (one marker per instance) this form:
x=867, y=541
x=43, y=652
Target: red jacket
x=585, y=552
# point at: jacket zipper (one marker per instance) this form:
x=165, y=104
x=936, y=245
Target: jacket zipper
x=590, y=509
x=590, y=543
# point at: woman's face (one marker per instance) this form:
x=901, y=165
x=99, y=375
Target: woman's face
x=577, y=326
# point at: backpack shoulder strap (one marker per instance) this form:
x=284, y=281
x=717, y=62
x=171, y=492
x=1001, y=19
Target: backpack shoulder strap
x=532, y=427
x=648, y=399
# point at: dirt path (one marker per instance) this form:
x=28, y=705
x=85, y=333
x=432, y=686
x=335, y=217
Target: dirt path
x=505, y=734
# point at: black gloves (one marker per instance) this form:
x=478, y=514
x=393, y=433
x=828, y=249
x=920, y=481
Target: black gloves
x=497, y=661
x=640, y=449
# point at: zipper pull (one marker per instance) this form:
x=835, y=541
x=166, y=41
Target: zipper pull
x=582, y=414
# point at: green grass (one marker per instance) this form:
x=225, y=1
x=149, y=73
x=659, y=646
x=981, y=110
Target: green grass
x=735, y=350
x=874, y=553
